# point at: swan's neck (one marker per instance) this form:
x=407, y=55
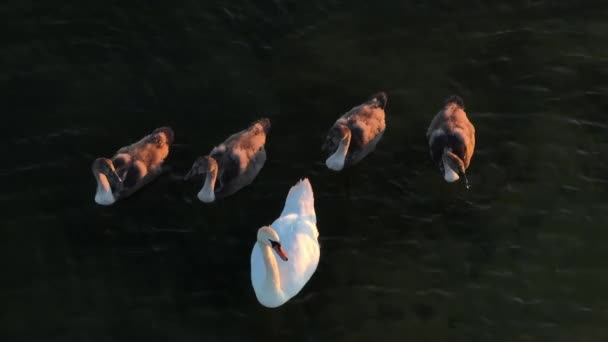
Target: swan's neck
x=207, y=193
x=448, y=174
x=104, y=195
x=336, y=160
x=272, y=283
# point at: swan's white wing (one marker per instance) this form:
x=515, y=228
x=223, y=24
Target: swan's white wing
x=301, y=201
x=299, y=240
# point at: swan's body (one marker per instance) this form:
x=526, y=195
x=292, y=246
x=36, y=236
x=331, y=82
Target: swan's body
x=277, y=277
x=233, y=164
x=131, y=167
x=452, y=140
x=355, y=134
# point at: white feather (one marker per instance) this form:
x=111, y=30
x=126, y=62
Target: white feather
x=448, y=174
x=336, y=160
x=104, y=195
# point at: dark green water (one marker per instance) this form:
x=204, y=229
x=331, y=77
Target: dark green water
x=521, y=256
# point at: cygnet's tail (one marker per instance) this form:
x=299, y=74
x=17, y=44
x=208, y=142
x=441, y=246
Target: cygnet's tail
x=301, y=201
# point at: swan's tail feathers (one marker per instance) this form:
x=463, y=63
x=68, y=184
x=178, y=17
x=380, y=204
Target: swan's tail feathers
x=380, y=99
x=456, y=100
x=265, y=123
x=301, y=201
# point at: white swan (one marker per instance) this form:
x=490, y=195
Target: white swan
x=278, y=276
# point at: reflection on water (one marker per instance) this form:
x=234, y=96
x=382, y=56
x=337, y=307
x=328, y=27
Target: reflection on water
x=404, y=256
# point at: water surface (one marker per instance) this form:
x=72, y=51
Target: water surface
x=521, y=256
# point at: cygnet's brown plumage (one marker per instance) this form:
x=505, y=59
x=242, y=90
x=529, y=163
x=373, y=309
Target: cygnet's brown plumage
x=132, y=166
x=451, y=138
x=233, y=164
x=356, y=133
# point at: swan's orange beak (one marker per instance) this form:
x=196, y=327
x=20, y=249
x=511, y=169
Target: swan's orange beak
x=281, y=252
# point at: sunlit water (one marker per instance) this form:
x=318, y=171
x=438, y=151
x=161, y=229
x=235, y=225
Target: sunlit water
x=404, y=256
